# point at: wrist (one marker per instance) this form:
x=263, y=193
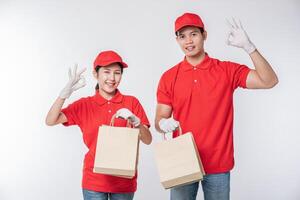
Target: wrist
x=136, y=121
x=61, y=98
x=64, y=97
x=249, y=48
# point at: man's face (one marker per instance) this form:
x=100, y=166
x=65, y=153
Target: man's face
x=191, y=41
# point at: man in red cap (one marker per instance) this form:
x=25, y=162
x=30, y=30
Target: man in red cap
x=197, y=94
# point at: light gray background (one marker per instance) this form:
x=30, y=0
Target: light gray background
x=39, y=40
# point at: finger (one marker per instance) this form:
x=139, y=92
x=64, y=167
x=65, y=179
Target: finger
x=135, y=124
x=118, y=111
x=229, y=36
x=131, y=117
x=129, y=113
x=231, y=33
x=75, y=69
x=234, y=23
x=171, y=124
x=80, y=84
x=169, y=129
x=121, y=110
x=173, y=127
x=118, y=114
x=229, y=24
x=176, y=124
x=176, y=127
x=240, y=24
x=131, y=120
x=121, y=114
x=70, y=73
x=81, y=71
x=230, y=40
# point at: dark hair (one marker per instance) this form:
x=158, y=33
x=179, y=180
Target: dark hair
x=201, y=31
x=97, y=69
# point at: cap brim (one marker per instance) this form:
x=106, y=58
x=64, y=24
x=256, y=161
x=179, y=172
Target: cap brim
x=185, y=25
x=124, y=65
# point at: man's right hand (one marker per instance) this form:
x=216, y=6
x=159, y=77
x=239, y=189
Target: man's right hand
x=76, y=81
x=168, y=125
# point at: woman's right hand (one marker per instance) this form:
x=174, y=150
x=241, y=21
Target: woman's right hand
x=76, y=81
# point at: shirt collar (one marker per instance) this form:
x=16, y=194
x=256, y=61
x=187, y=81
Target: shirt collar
x=117, y=98
x=204, y=64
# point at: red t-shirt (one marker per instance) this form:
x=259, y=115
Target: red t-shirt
x=91, y=112
x=202, y=101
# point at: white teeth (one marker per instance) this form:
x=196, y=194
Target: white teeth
x=189, y=48
x=110, y=84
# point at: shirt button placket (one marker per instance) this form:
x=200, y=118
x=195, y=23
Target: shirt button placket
x=194, y=76
x=109, y=107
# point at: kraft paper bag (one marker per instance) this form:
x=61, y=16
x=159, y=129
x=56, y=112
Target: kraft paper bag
x=178, y=161
x=117, y=151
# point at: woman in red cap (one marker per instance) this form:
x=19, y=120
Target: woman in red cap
x=93, y=111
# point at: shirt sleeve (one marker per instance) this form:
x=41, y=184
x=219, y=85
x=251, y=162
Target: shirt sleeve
x=164, y=91
x=138, y=110
x=238, y=74
x=73, y=113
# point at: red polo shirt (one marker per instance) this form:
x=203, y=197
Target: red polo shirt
x=202, y=101
x=91, y=112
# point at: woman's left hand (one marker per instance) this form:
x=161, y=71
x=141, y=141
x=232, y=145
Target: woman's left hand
x=127, y=114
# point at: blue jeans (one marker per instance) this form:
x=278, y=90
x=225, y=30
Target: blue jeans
x=214, y=186
x=92, y=195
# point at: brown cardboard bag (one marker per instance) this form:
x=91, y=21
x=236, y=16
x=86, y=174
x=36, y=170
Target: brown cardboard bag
x=117, y=150
x=178, y=161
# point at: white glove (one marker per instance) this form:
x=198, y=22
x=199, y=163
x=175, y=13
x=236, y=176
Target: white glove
x=238, y=37
x=168, y=125
x=127, y=114
x=76, y=81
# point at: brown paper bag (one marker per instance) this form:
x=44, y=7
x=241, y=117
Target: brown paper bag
x=117, y=151
x=178, y=161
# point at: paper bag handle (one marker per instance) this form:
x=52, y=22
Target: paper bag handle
x=112, y=121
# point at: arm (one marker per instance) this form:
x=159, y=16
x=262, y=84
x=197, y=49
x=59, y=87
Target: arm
x=162, y=111
x=55, y=116
x=263, y=76
x=145, y=134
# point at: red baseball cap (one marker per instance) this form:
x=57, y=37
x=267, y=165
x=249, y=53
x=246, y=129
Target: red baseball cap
x=188, y=19
x=105, y=58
